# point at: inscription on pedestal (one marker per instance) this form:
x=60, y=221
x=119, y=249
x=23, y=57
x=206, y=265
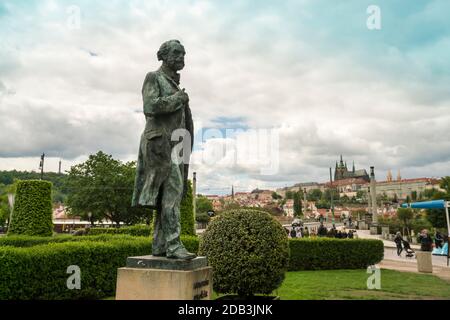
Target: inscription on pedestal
x=152, y=262
x=159, y=278
x=203, y=293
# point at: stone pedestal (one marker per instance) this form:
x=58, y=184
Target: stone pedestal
x=373, y=229
x=362, y=225
x=385, y=232
x=424, y=261
x=159, y=278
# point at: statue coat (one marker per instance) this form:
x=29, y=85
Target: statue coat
x=164, y=113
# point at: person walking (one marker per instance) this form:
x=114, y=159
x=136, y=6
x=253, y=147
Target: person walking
x=426, y=242
x=438, y=239
x=322, y=232
x=398, y=242
x=350, y=234
x=293, y=233
x=306, y=235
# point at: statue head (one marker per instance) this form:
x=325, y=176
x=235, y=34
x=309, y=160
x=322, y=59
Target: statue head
x=172, y=53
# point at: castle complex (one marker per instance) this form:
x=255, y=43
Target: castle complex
x=341, y=172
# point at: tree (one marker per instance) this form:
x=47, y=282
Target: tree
x=289, y=194
x=314, y=195
x=5, y=209
x=405, y=215
x=360, y=194
x=59, y=193
x=414, y=195
x=103, y=187
x=203, y=204
x=434, y=194
x=276, y=196
x=445, y=184
x=436, y=217
x=202, y=217
x=395, y=198
x=331, y=192
x=297, y=205
x=273, y=209
x=360, y=214
x=322, y=204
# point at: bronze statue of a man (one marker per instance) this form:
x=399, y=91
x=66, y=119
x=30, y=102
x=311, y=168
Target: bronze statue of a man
x=161, y=182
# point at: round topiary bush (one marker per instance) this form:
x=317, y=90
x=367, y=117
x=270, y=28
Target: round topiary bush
x=248, y=250
x=32, y=212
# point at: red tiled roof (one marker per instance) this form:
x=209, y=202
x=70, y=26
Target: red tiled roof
x=347, y=182
x=429, y=180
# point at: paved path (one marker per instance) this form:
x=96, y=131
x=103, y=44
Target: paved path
x=404, y=266
x=365, y=234
x=393, y=262
x=391, y=254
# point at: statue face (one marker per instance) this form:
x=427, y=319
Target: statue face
x=175, y=58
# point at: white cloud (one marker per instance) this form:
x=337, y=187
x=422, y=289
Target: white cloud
x=390, y=111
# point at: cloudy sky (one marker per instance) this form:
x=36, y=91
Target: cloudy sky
x=307, y=76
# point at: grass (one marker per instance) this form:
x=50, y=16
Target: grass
x=352, y=285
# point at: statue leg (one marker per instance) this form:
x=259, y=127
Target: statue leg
x=159, y=246
x=172, y=194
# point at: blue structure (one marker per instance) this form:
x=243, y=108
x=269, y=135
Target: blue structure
x=435, y=204
x=441, y=251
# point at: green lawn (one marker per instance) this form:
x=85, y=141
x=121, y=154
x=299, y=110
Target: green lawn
x=352, y=284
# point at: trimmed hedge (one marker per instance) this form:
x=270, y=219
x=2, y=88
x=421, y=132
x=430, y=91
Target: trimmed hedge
x=187, y=219
x=136, y=230
x=30, y=241
x=190, y=242
x=40, y=272
x=325, y=253
x=35, y=267
x=248, y=250
x=32, y=213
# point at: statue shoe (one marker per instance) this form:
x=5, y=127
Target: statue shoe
x=159, y=254
x=181, y=253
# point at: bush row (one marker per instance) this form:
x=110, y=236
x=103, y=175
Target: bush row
x=136, y=230
x=36, y=267
x=326, y=253
x=30, y=241
x=40, y=272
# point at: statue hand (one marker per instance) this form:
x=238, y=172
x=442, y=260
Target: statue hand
x=183, y=96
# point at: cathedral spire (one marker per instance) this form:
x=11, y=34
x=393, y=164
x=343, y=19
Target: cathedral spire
x=341, y=163
x=353, y=168
x=389, y=176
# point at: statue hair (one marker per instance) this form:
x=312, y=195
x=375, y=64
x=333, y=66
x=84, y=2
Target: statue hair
x=164, y=49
